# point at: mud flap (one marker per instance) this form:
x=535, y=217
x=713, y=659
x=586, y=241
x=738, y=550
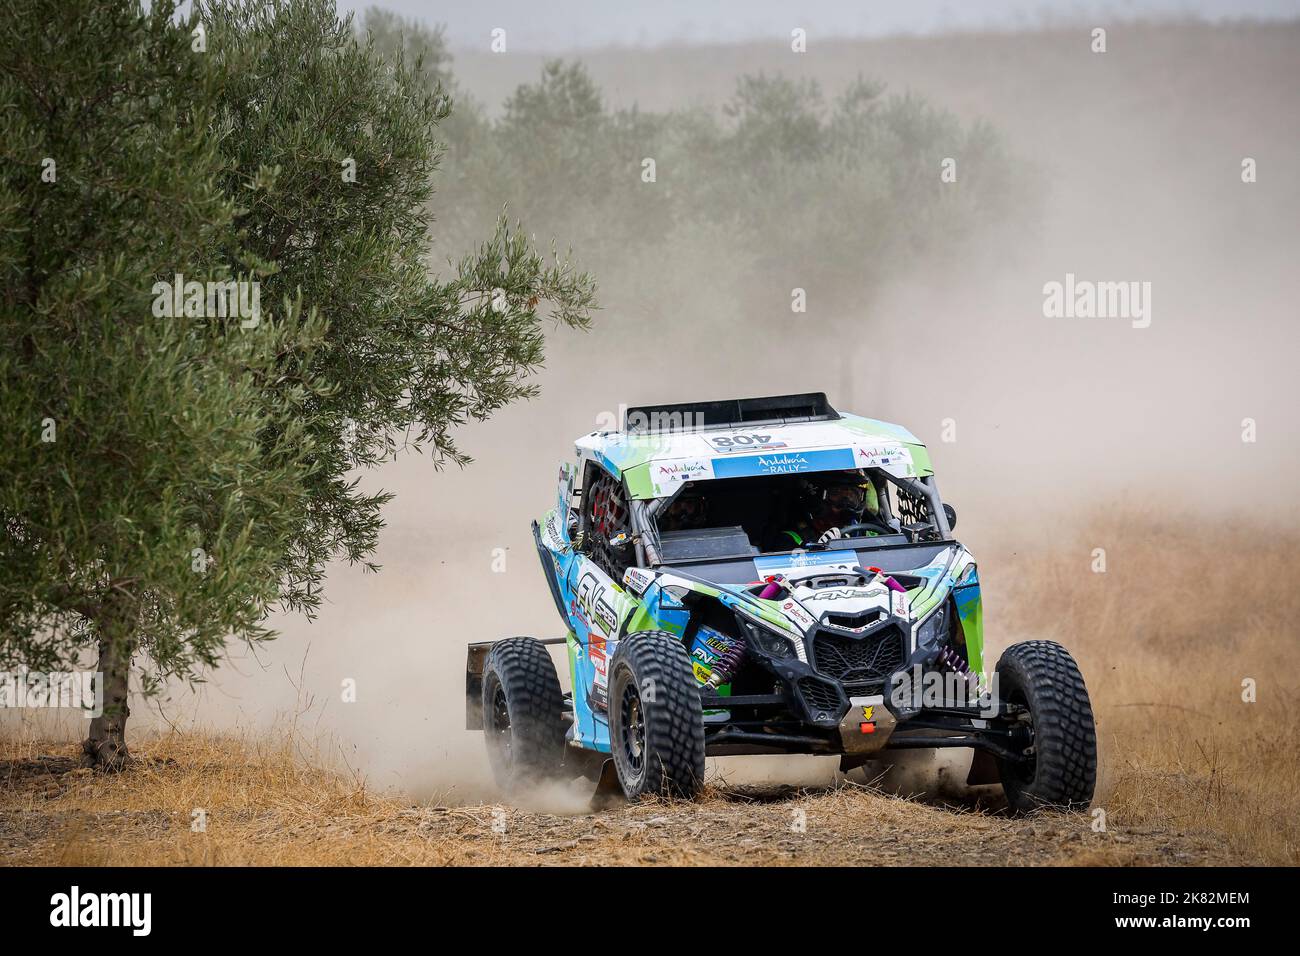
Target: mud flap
x=609, y=792
x=854, y=761
x=475, y=658
x=983, y=769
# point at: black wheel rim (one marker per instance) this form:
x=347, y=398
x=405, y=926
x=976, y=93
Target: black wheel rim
x=501, y=735
x=633, y=728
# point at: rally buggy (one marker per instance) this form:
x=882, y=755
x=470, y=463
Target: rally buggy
x=706, y=614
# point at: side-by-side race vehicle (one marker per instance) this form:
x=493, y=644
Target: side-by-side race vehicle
x=768, y=576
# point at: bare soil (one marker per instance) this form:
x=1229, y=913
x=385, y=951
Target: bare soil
x=261, y=808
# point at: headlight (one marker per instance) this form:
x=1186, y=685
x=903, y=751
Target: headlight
x=933, y=631
x=769, y=641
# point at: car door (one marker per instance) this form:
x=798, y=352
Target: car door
x=596, y=607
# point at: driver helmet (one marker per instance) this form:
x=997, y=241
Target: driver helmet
x=848, y=493
x=688, y=511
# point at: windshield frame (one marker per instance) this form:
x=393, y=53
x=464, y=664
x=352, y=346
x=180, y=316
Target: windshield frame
x=645, y=512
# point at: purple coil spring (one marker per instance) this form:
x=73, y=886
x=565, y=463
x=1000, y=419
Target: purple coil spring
x=728, y=662
x=952, y=660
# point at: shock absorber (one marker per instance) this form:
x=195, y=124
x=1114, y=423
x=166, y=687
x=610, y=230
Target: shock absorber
x=952, y=660
x=728, y=661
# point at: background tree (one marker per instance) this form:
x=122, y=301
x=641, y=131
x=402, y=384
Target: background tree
x=779, y=185
x=203, y=472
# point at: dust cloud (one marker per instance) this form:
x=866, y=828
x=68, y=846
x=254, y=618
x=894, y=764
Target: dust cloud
x=1138, y=152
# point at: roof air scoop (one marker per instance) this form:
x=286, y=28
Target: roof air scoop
x=729, y=413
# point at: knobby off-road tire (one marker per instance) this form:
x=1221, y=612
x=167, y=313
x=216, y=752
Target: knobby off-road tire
x=1062, y=772
x=523, y=708
x=656, y=722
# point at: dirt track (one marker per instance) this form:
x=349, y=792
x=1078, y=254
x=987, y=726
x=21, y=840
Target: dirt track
x=53, y=812
x=1192, y=771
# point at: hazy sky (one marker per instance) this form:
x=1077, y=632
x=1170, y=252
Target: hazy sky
x=559, y=25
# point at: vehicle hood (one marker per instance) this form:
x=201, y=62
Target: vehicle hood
x=829, y=588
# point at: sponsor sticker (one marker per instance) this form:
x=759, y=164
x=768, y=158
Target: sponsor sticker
x=784, y=463
x=554, y=539
x=900, y=603
x=667, y=475
x=778, y=563
x=797, y=614
x=879, y=456
x=598, y=613
x=637, y=579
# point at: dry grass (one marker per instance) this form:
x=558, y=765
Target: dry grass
x=1191, y=774
x=1185, y=612
x=263, y=804
x=266, y=806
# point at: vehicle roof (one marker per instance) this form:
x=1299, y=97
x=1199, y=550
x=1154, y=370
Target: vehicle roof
x=655, y=461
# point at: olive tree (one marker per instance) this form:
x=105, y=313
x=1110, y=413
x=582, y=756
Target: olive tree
x=214, y=286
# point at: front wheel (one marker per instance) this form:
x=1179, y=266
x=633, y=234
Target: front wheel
x=523, y=713
x=1059, y=767
x=656, y=720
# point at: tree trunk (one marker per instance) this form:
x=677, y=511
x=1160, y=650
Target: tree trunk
x=105, y=748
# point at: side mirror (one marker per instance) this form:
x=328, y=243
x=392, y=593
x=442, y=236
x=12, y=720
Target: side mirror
x=951, y=512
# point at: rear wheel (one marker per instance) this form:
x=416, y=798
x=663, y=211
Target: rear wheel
x=523, y=708
x=1059, y=770
x=656, y=724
